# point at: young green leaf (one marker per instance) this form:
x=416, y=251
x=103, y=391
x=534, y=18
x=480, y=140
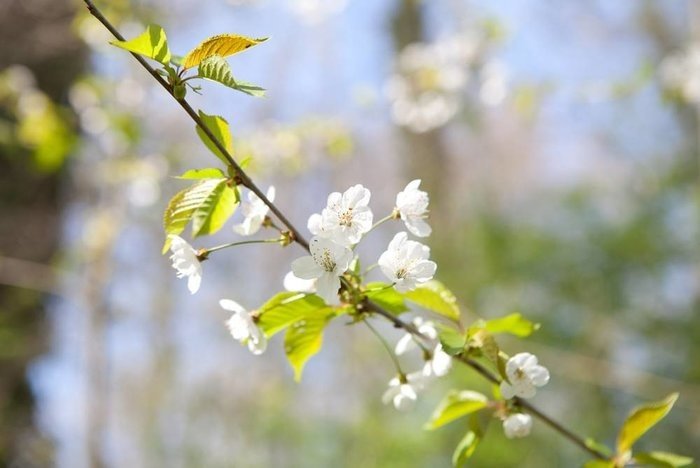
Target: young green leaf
x=182, y=206
x=303, y=339
x=599, y=464
x=600, y=447
x=222, y=45
x=215, y=209
x=453, y=342
x=210, y=202
x=456, y=404
x=386, y=296
x=640, y=420
x=286, y=308
x=215, y=68
x=662, y=459
x=207, y=173
x=465, y=449
x=435, y=297
x=486, y=343
x=219, y=128
x=514, y=324
x=152, y=44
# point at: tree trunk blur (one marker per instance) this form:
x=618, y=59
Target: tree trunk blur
x=36, y=34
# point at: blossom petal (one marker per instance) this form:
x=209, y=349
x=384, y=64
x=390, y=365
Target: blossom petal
x=539, y=375
x=404, y=344
x=238, y=326
x=306, y=268
x=327, y=287
x=232, y=306
x=193, y=282
x=507, y=390
x=257, y=343
x=418, y=227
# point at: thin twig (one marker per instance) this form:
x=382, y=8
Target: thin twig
x=367, y=305
x=567, y=433
x=245, y=179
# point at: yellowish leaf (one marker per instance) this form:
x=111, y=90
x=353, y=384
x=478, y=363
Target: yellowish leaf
x=222, y=45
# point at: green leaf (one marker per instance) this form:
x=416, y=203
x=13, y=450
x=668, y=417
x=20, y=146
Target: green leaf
x=286, y=308
x=219, y=128
x=662, y=459
x=453, y=342
x=183, y=205
x=465, y=449
x=304, y=338
x=222, y=45
x=207, y=173
x=215, y=68
x=514, y=324
x=209, y=202
x=384, y=295
x=640, y=420
x=215, y=210
x=595, y=445
x=456, y=404
x=599, y=464
x=435, y=297
x=152, y=44
x=484, y=341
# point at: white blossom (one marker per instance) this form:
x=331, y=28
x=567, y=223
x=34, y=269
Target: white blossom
x=326, y=263
x=315, y=226
x=524, y=375
x=517, y=425
x=403, y=394
x=425, y=90
x=243, y=327
x=440, y=364
x=186, y=263
x=254, y=211
x=407, y=342
x=346, y=217
x=680, y=72
x=406, y=263
x=294, y=283
x=412, y=205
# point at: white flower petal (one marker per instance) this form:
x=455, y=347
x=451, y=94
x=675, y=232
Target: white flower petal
x=517, y=425
x=418, y=227
x=306, y=268
x=193, y=282
x=404, y=344
x=507, y=390
x=294, y=283
x=539, y=375
x=327, y=287
x=232, y=306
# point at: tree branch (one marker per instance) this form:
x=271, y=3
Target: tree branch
x=367, y=305
x=245, y=179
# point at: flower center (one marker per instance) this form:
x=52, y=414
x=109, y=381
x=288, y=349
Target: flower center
x=327, y=262
x=519, y=374
x=401, y=273
x=345, y=218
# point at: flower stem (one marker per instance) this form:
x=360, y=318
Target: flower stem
x=386, y=346
x=234, y=244
x=383, y=220
x=370, y=268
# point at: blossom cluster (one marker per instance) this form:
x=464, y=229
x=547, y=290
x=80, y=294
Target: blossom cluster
x=680, y=73
x=337, y=229
x=429, y=80
x=340, y=226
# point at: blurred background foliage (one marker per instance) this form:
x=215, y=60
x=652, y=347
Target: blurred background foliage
x=560, y=146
